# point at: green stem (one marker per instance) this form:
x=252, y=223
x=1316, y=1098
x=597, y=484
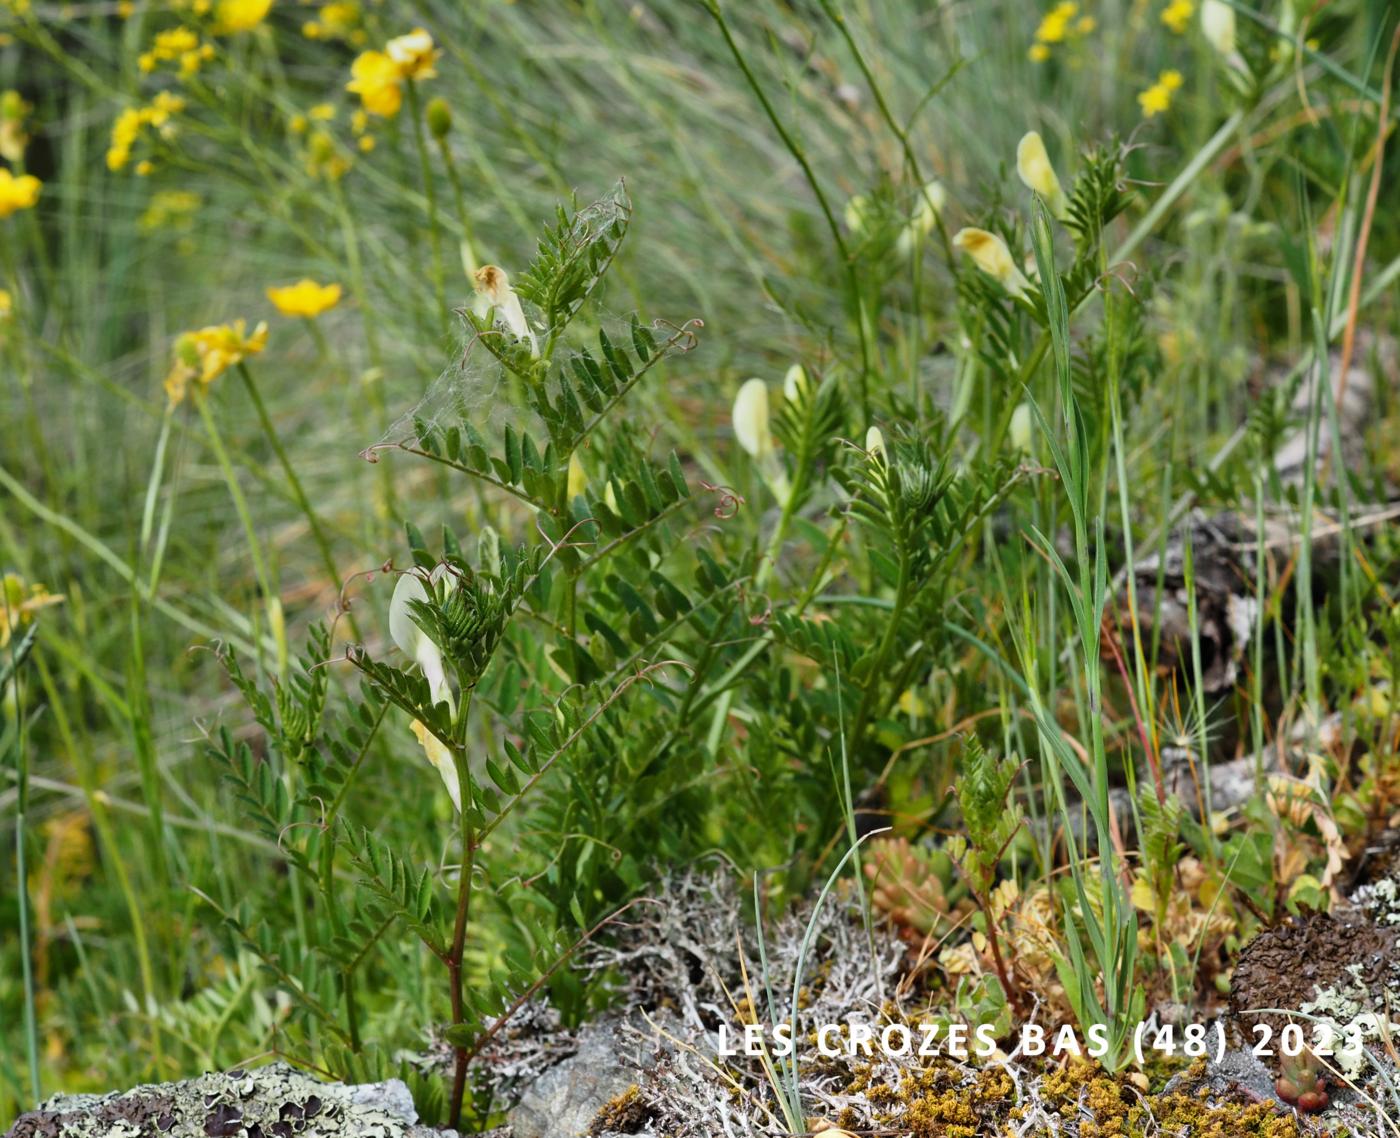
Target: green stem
x=420, y=141
x=293, y=480
x=271, y=601
x=800, y=157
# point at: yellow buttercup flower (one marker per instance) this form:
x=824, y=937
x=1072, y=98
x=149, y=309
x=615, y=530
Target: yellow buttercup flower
x=204, y=355
x=1177, y=15
x=376, y=78
x=1158, y=97
x=990, y=254
x=242, y=15
x=7, y=304
x=414, y=54
x=1061, y=24
x=17, y=193
x=19, y=602
x=306, y=298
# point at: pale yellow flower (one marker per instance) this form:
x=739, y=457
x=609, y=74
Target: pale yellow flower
x=1033, y=166
x=927, y=210
x=578, y=477
x=494, y=295
x=306, y=298
x=378, y=81
x=413, y=642
x=875, y=445
x=242, y=15
x=750, y=418
x=17, y=193
x=990, y=254
x=754, y=435
x=1218, y=24
x=414, y=54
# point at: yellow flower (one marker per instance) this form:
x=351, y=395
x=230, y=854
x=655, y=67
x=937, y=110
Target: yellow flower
x=7, y=304
x=1033, y=166
x=1055, y=24
x=1177, y=15
x=376, y=78
x=242, y=15
x=1059, y=25
x=17, y=193
x=413, y=54
x=305, y=298
x=206, y=354
x=1158, y=97
x=322, y=112
x=990, y=254
x=19, y=603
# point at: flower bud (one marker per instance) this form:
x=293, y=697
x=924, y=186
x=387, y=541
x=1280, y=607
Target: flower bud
x=1021, y=428
x=439, y=116
x=875, y=445
x=794, y=383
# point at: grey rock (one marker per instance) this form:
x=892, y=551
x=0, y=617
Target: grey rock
x=563, y=1101
x=269, y=1102
x=1237, y=1071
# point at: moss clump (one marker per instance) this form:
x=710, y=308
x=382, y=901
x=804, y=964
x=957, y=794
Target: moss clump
x=1104, y=1106
x=623, y=1114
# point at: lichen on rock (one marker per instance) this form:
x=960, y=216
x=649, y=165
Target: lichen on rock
x=276, y=1101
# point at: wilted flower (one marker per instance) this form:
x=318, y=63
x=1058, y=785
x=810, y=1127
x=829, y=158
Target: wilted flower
x=204, y=355
x=17, y=193
x=241, y=15
x=990, y=254
x=752, y=432
x=413, y=54
x=19, y=602
x=927, y=210
x=495, y=295
x=1218, y=24
x=306, y=298
x=413, y=642
x=1033, y=165
x=378, y=81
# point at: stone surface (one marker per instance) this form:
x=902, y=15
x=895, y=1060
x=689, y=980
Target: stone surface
x=563, y=1102
x=269, y=1102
